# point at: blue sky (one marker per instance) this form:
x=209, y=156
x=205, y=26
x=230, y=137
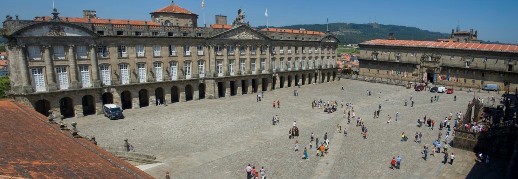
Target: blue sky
x=495, y=20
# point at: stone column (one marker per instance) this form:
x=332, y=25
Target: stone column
x=250, y=91
x=49, y=69
x=225, y=61
x=248, y=61
x=74, y=84
x=181, y=93
x=210, y=62
x=227, y=88
x=277, y=81
x=239, y=89
x=24, y=71
x=210, y=89
x=267, y=60
x=95, y=66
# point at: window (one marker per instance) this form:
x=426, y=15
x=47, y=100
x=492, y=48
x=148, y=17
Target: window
x=201, y=68
x=218, y=50
x=303, y=64
x=509, y=67
x=303, y=49
x=59, y=52
x=272, y=64
x=242, y=65
x=273, y=50
x=186, y=50
x=170, y=34
x=156, y=50
x=187, y=69
x=85, y=76
x=252, y=50
x=242, y=50
x=122, y=51
x=263, y=64
x=452, y=57
x=263, y=50
x=34, y=53
x=289, y=50
x=174, y=70
x=125, y=76
x=185, y=34
x=172, y=50
x=282, y=64
x=82, y=52
x=102, y=51
x=296, y=49
x=120, y=32
x=100, y=32
x=288, y=64
x=310, y=50
x=281, y=50
x=198, y=34
x=140, y=50
x=142, y=73
x=200, y=49
x=105, y=75
x=138, y=33
x=154, y=33
x=62, y=77
x=398, y=57
x=38, y=79
x=231, y=67
x=252, y=65
x=158, y=71
x=219, y=67
x=230, y=50
x=468, y=63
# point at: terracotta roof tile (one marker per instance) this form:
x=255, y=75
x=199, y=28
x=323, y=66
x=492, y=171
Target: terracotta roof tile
x=33, y=148
x=4, y=62
x=173, y=8
x=292, y=31
x=445, y=45
x=221, y=26
x=101, y=21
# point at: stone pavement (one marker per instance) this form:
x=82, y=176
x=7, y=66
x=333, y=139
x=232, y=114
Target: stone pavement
x=218, y=138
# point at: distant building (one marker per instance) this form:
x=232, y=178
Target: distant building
x=462, y=36
x=4, y=64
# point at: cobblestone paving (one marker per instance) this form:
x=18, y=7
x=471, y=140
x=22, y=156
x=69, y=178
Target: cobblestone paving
x=218, y=138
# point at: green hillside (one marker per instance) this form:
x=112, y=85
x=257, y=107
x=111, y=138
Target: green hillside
x=350, y=33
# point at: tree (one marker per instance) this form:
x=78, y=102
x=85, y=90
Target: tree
x=5, y=86
x=2, y=47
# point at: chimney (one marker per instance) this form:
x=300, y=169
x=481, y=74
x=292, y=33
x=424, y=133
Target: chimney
x=391, y=36
x=89, y=14
x=221, y=19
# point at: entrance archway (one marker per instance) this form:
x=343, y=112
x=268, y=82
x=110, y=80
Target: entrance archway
x=126, y=100
x=143, y=98
x=42, y=106
x=233, y=88
x=66, y=107
x=264, y=84
x=244, y=87
x=175, y=96
x=303, y=79
x=221, y=89
x=328, y=76
x=107, y=98
x=188, y=93
x=274, y=82
x=159, y=95
x=254, y=85
x=289, y=80
x=281, y=85
x=201, y=91
x=334, y=75
x=88, y=105
x=296, y=80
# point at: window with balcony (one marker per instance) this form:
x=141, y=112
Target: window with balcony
x=252, y=65
x=158, y=71
x=252, y=50
x=85, y=76
x=105, y=75
x=187, y=69
x=289, y=50
x=281, y=50
x=242, y=50
x=219, y=67
x=200, y=49
x=62, y=77
x=230, y=50
x=59, y=52
x=231, y=67
x=272, y=64
x=125, y=75
x=172, y=50
x=140, y=51
x=82, y=52
x=187, y=50
x=281, y=63
x=242, y=65
x=34, y=53
x=38, y=79
x=123, y=53
x=174, y=70
x=201, y=68
x=142, y=74
x=156, y=50
x=262, y=67
x=102, y=51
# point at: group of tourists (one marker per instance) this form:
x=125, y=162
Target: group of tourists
x=252, y=173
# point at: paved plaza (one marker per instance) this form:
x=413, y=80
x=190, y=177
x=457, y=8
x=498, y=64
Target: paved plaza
x=218, y=138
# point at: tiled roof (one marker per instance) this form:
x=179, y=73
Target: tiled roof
x=173, y=8
x=4, y=62
x=220, y=26
x=33, y=148
x=100, y=21
x=292, y=31
x=3, y=53
x=444, y=45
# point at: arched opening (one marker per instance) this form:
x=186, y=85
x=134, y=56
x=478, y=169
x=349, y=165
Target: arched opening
x=221, y=89
x=42, y=106
x=310, y=78
x=159, y=96
x=323, y=78
x=289, y=80
x=175, y=96
x=316, y=77
x=143, y=98
x=281, y=85
x=274, y=82
x=201, y=91
x=188, y=93
x=328, y=76
x=66, y=107
x=233, y=88
x=244, y=87
x=297, y=80
x=264, y=84
x=126, y=100
x=334, y=75
x=254, y=86
x=88, y=105
x=303, y=79
x=107, y=98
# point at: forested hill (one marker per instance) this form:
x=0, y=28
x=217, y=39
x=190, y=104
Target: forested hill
x=349, y=33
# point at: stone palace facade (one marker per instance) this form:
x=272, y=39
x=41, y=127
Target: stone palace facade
x=75, y=65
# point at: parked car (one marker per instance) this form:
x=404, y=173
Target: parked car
x=113, y=111
x=419, y=87
x=449, y=91
x=490, y=87
x=434, y=89
x=441, y=89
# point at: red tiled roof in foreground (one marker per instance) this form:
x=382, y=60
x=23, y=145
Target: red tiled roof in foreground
x=4, y=62
x=444, y=45
x=292, y=31
x=100, y=21
x=32, y=148
x=173, y=8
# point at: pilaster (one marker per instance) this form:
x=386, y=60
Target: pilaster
x=49, y=69
x=95, y=66
x=74, y=84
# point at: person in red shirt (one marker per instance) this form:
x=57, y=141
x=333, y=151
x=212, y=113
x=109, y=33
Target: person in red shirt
x=254, y=172
x=393, y=163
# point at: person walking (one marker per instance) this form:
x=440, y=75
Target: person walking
x=412, y=103
x=397, y=116
x=393, y=163
x=316, y=143
x=278, y=104
x=452, y=157
x=296, y=145
x=445, y=158
x=305, y=154
x=263, y=173
x=398, y=162
x=248, y=171
x=403, y=137
x=420, y=137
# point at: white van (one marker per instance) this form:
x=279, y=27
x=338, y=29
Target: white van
x=441, y=89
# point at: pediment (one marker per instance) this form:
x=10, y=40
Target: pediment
x=241, y=33
x=53, y=30
x=330, y=39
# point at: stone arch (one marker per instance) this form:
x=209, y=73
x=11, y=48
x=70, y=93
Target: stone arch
x=143, y=98
x=303, y=79
x=126, y=100
x=264, y=84
x=201, y=91
x=66, y=107
x=88, y=104
x=289, y=80
x=107, y=98
x=159, y=95
x=297, y=79
x=221, y=89
x=328, y=76
x=188, y=93
x=175, y=95
x=281, y=85
x=233, y=88
x=42, y=106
